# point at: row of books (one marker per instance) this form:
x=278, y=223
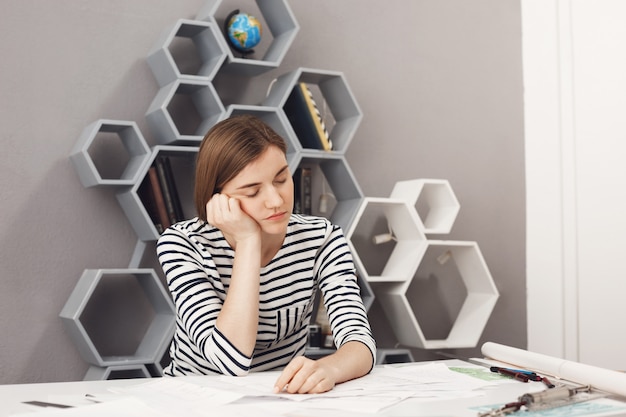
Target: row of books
x=306, y=119
x=159, y=195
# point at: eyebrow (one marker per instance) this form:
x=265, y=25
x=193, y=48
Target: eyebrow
x=256, y=184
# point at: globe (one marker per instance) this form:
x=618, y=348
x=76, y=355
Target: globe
x=244, y=31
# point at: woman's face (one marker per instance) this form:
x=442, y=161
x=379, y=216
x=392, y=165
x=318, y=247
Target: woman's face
x=264, y=189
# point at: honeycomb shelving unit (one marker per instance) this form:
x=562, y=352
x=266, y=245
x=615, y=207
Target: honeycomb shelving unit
x=407, y=232
x=185, y=60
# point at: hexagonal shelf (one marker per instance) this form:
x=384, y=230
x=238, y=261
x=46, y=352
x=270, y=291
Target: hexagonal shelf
x=136, y=209
x=408, y=240
x=276, y=120
x=277, y=19
x=83, y=306
x=96, y=373
x=387, y=356
x=188, y=49
x=183, y=111
x=434, y=200
x=110, y=130
x=339, y=176
x=334, y=90
x=473, y=315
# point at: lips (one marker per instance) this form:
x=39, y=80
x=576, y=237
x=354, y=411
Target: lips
x=277, y=216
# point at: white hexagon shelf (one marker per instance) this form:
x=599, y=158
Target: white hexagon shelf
x=276, y=120
x=110, y=130
x=333, y=87
x=183, y=111
x=203, y=52
x=157, y=333
x=436, y=204
x=278, y=22
x=133, y=201
x=404, y=230
x=474, y=313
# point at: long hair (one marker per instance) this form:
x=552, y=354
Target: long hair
x=227, y=148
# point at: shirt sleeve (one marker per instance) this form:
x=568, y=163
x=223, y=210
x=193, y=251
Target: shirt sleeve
x=341, y=293
x=198, y=295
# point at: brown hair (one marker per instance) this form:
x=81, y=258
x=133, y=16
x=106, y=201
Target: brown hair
x=228, y=147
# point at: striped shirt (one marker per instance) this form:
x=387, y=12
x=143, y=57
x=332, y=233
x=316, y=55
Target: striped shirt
x=197, y=262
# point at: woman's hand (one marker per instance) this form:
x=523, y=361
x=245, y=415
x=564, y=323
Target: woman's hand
x=306, y=376
x=225, y=213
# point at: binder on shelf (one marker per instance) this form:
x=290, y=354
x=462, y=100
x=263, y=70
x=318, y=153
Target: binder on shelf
x=305, y=118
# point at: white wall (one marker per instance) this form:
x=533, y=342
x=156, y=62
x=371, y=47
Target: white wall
x=575, y=101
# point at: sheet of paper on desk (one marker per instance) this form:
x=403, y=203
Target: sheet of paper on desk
x=234, y=397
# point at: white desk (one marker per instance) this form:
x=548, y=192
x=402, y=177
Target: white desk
x=13, y=396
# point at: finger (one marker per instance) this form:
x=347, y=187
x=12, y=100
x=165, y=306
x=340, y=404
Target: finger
x=287, y=375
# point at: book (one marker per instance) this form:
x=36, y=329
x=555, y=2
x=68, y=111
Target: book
x=302, y=190
x=171, y=185
x=152, y=198
x=165, y=189
x=305, y=118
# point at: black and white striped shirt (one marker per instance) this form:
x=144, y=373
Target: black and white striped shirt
x=197, y=262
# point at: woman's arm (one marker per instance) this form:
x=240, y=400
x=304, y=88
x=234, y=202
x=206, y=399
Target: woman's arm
x=348, y=319
x=303, y=375
x=239, y=318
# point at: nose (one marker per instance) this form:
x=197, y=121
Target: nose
x=274, y=198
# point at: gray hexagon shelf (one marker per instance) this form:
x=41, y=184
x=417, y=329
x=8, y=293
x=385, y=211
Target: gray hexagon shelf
x=341, y=180
x=84, y=305
x=110, y=131
x=135, y=208
x=404, y=233
x=388, y=356
x=344, y=110
x=96, y=373
x=277, y=18
x=436, y=204
x=276, y=120
x=183, y=111
x=479, y=300
x=189, y=49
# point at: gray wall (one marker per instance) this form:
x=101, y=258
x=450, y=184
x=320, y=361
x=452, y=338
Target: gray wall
x=439, y=83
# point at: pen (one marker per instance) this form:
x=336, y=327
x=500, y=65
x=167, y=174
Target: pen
x=517, y=375
x=547, y=382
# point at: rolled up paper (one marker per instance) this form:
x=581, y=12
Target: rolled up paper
x=603, y=379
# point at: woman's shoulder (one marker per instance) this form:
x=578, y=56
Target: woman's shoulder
x=303, y=221
x=300, y=223
x=193, y=229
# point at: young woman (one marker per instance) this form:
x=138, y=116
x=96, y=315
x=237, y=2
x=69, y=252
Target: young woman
x=244, y=273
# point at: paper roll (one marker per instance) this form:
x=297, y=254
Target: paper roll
x=607, y=380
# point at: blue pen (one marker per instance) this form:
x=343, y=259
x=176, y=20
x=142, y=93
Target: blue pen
x=530, y=374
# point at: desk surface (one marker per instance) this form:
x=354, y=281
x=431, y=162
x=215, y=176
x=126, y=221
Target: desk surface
x=14, y=396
